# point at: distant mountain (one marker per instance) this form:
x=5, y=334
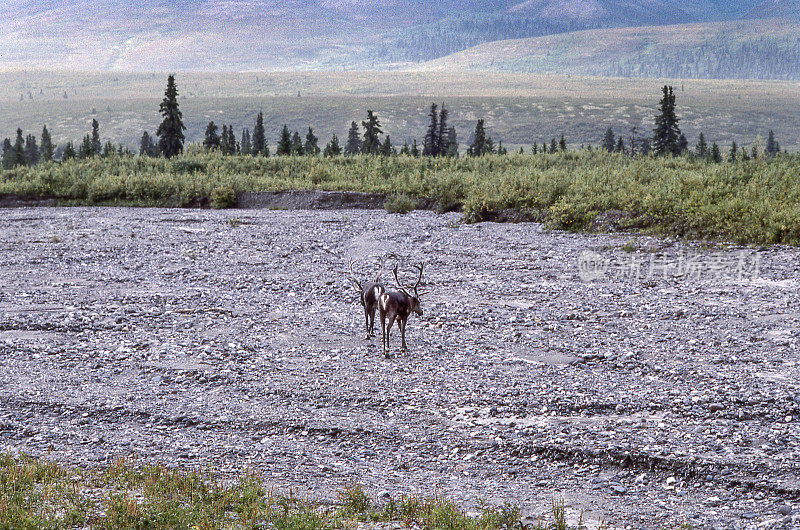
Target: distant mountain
x=317, y=34
x=754, y=49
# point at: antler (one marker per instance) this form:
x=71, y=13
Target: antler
x=353, y=278
x=380, y=269
x=419, y=280
x=396, y=279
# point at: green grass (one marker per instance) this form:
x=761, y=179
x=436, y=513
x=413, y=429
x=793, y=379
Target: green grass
x=754, y=202
x=36, y=493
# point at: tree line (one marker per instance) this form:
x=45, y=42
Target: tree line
x=440, y=140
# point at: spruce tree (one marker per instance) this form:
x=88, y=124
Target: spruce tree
x=387, y=149
x=109, y=150
x=46, y=149
x=702, y=147
x=259, y=136
x=31, y=150
x=19, y=149
x=372, y=132
x=415, y=149
x=212, y=139
x=500, y=149
x=69, y=152
x=535, y=148
x=666, y=134
x=716, y=155
x=8, y=154
x=734, y=152
x=554, y=145
x=452, y=142
x=609, y=142
x=97, y=147
x=442, y=138
x=478, y=146
x=353, y=146
x=488, y=148
x=620, y=145
x=85, y=150
x=170, y=131
x=772, y=146
x=406, y=149
x=284, y=143
x=562, y=144
x=430, y=142
x=311, y=146
x=247, y=147
x=683, y=145
x=224, y=146
x=297, y=144
x=333, y=148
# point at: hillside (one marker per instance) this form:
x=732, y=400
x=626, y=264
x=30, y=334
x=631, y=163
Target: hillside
x=223, y=35
x=759, y=49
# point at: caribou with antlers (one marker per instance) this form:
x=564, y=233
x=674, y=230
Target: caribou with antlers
x=369, y=294
x=398, y=305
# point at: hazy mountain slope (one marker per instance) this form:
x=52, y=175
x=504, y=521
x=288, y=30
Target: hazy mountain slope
x=760, y=49
x=314, y=34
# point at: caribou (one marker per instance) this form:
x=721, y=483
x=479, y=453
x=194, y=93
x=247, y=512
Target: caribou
x=398, y=306
x=369, y=292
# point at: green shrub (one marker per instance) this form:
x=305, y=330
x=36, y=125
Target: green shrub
x=223, y=197
x=399, y=203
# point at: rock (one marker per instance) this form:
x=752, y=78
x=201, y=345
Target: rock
x=716, y=407
x=783, y=509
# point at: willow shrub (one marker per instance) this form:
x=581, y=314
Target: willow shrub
x=749, y=202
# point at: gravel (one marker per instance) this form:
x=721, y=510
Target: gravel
x=592, y=368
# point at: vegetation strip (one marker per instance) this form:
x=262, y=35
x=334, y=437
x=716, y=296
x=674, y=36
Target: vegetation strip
x=754, y=201
x=36, y=493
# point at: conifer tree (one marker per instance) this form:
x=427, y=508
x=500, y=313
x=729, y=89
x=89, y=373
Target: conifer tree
x=406, y=149
x=387, y=149
x=8, y=154
x=109, y=150
x=333, y=148
x=224, y=146
x=212, y=139
x=666, y=134
x=19, y=150
x=85, y=150
x=31, y=150
x=535, y=148
x=46, y=149
x=442, y=137
x=259, y=136
x=562, y=144
x=683, y=145
x=170, y=131
x=734, y=152
x=488, y=148
x=97, y=147
x=353, y=146
x=430, y=142
x=702, y=147
x=500, y=149
x=415, y=149
x=452, y=142
x=554, y=145
x=609, y=142
x=772, y=147
x=620, y=145
x=372, y=132
x=478, y=146
x=284, y=143
x=69, y=152
x=297, y=144
x=716, y=155
x=311, y=146
x=246, y=144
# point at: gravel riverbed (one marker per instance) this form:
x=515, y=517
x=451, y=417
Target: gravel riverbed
x=647, y=383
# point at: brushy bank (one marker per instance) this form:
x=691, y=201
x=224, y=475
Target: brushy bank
x=36, y=493
x=756, y=201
